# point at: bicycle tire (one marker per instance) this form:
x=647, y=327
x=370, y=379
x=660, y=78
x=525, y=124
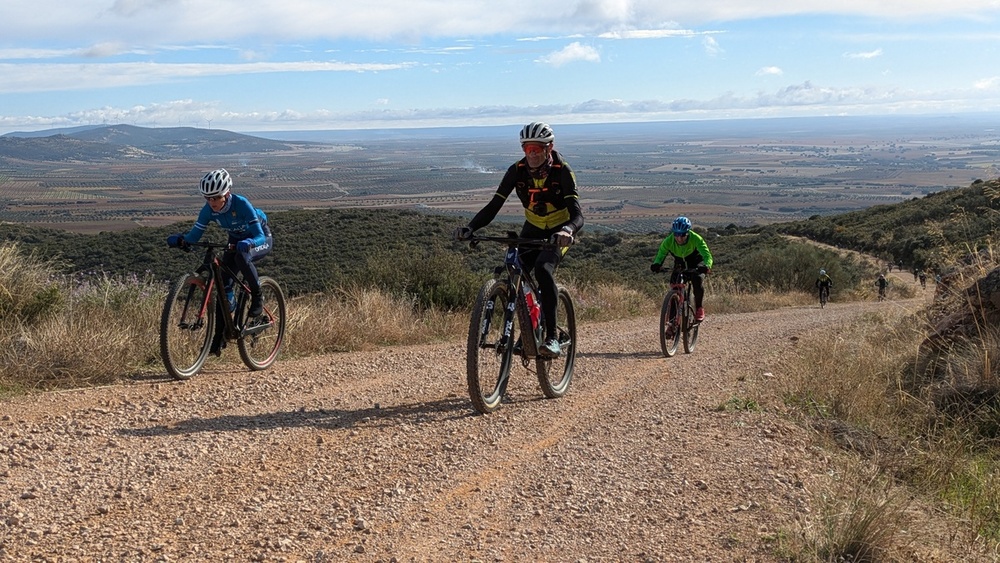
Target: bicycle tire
x=670, y=331
x=488, y=355
x=556, y=374
x=690, y=327
x=263, y=337
x=822, y=299
x=186, y=326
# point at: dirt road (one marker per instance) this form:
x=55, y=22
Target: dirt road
x=379, y=457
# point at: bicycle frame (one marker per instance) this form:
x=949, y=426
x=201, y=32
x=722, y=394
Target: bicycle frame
x=213, y=269
x=516, y=278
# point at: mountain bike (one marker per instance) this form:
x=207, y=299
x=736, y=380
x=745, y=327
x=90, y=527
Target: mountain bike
x=507, y=324
x=824, y=296
x=881, y=293
x=189, y=321
x=677, y=313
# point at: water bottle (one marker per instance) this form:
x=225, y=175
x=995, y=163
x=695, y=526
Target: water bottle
x=231, y=299
x=533, y=308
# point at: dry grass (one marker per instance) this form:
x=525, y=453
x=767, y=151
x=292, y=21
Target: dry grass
x=897, y=438
x=360, y=318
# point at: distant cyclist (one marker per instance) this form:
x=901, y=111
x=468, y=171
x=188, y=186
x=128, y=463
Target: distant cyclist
x=249, y=235
x=546, y=188
x=882, y=284
x=689, y=251
x=923, y=279
x=824, y=283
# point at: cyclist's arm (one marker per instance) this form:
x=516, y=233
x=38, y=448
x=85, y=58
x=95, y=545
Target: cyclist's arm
x=489, y=212
x=200, y=224
x=571, y=199
x=667, y=247
x=702, y=247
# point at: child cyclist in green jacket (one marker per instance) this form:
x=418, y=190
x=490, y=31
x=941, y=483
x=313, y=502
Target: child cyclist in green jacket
x=689, y=251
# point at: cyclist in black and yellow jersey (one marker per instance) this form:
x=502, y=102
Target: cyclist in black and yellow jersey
x=824, y=283
x=546, y=187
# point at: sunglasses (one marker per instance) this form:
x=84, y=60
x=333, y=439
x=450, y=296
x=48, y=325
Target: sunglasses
x=533, y=149
x=215, y=197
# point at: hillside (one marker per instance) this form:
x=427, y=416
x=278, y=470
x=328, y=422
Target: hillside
x=927, y=233
x=316, y=250
x=125, y=142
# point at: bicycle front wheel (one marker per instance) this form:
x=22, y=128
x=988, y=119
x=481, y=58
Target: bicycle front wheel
x=690, y=328
x=263, y=336
x=186, y=326
x=489, y=354
x=670, y=328
x=555, y=374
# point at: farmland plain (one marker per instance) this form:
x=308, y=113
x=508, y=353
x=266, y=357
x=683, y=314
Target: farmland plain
x=633, y=177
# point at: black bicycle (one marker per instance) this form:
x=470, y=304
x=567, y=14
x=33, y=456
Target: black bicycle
x=677, y=315
x=824, y=296
x=189, y=323
x=507, y=323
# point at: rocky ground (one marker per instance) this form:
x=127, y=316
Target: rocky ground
x=378, y=456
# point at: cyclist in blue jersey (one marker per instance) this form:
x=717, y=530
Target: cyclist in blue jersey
x=689, y=251
x=249, y=234
x=546, y=188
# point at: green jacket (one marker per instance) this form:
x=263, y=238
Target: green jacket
x=695, y=243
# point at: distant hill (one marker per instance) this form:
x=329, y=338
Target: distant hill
x=929, y=233
x=128, y=141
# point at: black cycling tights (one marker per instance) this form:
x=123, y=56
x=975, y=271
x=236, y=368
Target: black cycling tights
x=543, y=263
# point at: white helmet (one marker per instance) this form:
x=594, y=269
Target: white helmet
x=822, y=272
x=216, y=183
x=537, y=132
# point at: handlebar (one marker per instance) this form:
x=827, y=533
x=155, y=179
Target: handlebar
x=513, y=240
x=210, y=245
x=685, y=271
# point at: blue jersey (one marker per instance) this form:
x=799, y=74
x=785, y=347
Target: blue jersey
x=238, y=218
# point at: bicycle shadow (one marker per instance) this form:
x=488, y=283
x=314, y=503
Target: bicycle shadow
x=428, y=412
x=618, y=355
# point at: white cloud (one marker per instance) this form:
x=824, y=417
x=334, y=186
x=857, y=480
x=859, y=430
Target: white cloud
x=146, y=22
x=571, y=53
x=649, y=33
x=865, y=55
x=49, y=77
x=992, y=83
x=793, y=100
x=770, y=71
x=712, y=47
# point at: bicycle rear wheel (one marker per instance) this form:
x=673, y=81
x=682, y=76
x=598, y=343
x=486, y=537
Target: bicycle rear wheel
x=690, y=328
x=489, y=354
x=263, y=336
x=670, y=329
x=186, y=326
x=555, y=374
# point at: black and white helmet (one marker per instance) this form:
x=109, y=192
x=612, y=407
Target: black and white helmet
x=537, y=132
x=216, y=183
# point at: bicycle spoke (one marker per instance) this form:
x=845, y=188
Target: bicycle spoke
x=186, y=327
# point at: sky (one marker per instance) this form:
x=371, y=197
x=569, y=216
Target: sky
x=258, y=65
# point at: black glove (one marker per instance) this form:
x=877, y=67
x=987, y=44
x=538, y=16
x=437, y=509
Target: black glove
x=463, y=233
x=562, y=239
x=654, y=267
x=177, y=241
